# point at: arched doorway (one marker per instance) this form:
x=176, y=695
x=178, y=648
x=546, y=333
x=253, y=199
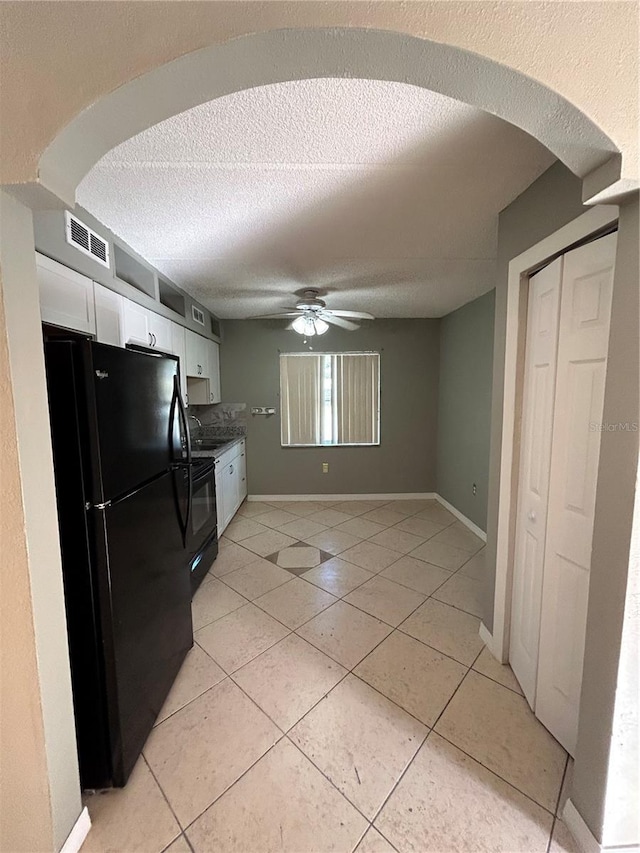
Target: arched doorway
x=285, y=55
x=195, y=78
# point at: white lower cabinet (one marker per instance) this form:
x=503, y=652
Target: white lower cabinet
x=231, y=483
x=109, y=316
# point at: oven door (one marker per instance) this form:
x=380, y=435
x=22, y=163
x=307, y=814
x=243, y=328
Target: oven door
x=202, y=538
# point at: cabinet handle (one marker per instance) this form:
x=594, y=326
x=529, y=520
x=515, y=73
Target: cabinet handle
x=231, y=469
x=155, y=341
x=211, y=397
x=150, y=339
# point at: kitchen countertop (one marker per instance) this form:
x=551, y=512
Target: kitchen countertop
x=214, y=453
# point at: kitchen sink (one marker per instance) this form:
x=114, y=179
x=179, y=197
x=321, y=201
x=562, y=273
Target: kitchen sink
x=204, y=444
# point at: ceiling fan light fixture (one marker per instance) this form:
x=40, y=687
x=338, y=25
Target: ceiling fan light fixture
x=299, y=325
x=308, y=325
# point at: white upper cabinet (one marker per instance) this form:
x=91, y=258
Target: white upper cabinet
x=66, y=297
x=214, y=372
x=74, y=301
x=178, y=347
x=197, y=355
x=137, y=324
x=109, y=316
x=146, y=328
x=160, y=330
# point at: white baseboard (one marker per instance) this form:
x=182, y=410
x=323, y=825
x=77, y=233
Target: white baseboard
x=583, y=836
x=77, y=836
x=398, y=496
x=463, y=518
x=486, y=637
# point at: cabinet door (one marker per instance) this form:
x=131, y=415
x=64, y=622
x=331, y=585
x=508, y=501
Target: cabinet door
x=220, y=504
x=109, y=316
x=214, y=371
x=161, y=335
x=230, y=491
x=178, y=347
x=137, y=324
x=196, y=355
x=66, y=297
x=241, y=462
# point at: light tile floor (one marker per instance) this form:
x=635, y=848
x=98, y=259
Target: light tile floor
x=349, y=706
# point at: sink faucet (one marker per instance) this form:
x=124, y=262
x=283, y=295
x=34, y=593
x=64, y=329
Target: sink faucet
x=197, y=420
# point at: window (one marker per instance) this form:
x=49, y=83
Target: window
x=330, y=398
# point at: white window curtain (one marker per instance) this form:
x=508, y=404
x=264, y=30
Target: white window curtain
x=300, y=385
x=357, y=396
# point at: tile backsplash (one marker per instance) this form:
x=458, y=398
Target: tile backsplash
x=222, y=420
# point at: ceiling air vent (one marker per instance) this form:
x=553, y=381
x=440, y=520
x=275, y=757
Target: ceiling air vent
x=86, y=240
x=197, y=315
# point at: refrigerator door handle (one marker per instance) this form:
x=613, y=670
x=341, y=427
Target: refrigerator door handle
x=183, y=418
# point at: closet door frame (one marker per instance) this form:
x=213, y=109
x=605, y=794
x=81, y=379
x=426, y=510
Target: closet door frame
x=595, y=222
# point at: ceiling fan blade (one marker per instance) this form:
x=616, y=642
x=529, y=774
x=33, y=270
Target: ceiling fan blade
x=356, y=315
x=339, y=321
x=277, y=316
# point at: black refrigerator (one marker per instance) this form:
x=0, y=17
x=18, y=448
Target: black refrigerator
x=120, y=445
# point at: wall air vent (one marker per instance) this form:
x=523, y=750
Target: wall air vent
x=86, y=240
x=197, y=315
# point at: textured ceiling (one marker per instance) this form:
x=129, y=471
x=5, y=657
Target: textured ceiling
x=383, y=195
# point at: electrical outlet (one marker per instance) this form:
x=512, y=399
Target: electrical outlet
x=474, y=489
x=325, y=467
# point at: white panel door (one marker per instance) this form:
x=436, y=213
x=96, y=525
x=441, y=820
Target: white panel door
x=535, y=460
x=109, y=316
x=585, y=311
x=66, y=297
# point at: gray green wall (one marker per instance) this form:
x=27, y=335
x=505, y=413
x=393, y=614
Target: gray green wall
x=464, y=407
x=405, y=461
x=544, y=207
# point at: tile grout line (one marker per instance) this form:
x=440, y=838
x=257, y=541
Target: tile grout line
x=343, y=599
x=166, y=799
x=350, y=671
x=430, y=730
x=555, y=813
x=285, y=734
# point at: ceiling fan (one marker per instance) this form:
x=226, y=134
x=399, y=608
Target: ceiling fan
x=312, y=317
